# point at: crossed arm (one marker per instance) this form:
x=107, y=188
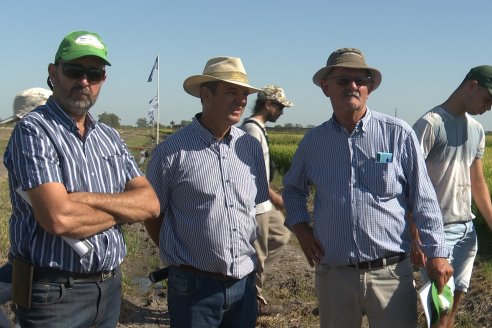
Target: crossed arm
x=83, y=214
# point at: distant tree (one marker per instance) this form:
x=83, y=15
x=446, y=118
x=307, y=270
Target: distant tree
x=173, y=124
x=110, y=119
x=288, y=125
x=185, y=123
x=142, y=123
x=310, y=126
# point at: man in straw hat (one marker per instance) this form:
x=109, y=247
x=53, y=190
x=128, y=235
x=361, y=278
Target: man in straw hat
x=272, y=233
x=368, y=172
x=209, y=176
x=453, y=144
x=71, y=179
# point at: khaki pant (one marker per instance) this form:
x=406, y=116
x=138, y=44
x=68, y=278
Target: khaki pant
x=272, y=236
x=386, y=295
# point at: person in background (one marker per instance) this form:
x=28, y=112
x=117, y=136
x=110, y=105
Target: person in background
x=209, y=176
x=368, y=173
x=272, y=235
x=73, y=184
x=453, y=144
x=24, y=102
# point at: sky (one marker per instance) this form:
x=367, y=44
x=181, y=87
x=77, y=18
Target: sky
x=422, y=48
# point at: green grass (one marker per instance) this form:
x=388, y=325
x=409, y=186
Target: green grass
x=5, y=211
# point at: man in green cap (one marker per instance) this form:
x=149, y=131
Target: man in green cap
x=453, y=144
x=73, y=184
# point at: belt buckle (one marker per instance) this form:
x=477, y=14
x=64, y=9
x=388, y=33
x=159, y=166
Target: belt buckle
x=106, y=275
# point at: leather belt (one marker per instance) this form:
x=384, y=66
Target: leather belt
x=379, y=263
x=214, y=275
x=58, y=276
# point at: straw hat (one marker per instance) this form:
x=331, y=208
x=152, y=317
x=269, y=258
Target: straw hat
x=349, y=58
x=227, y=69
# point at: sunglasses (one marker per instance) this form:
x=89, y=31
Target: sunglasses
x=76, y=72
x=343, y=81
x=280, y=106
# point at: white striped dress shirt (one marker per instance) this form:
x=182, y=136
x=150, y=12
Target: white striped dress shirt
x=208, y=190
x=360, y=204
x=45, y=147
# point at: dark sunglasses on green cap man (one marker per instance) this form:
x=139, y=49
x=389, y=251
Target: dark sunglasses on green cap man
x=79, y=44
x=481, y=74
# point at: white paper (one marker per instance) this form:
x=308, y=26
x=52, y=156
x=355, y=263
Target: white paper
x=426, y=298
x=83, y=247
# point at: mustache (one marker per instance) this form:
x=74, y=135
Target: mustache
x=81, y=89
x=351, y=94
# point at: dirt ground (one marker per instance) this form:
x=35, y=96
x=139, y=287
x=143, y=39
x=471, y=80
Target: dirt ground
x=292, y=284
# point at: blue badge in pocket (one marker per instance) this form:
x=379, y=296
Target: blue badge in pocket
x=382, y=157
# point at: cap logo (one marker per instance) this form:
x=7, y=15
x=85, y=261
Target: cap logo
x=89, y=40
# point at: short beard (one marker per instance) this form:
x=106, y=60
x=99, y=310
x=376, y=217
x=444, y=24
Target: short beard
x=77, y=107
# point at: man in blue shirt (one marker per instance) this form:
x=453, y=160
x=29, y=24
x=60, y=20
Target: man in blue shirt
x=73, y=183
x=368, y=173
x=209, y=176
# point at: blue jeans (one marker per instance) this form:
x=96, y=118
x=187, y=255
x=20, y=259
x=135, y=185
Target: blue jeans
x=198, y=300
x=81, y=305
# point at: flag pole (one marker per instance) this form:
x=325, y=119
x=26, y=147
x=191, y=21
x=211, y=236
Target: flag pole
x=157, y=125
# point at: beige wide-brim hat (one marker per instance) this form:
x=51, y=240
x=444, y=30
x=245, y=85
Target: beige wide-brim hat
x=348, y=58
x=26, y=101
x=227, y=69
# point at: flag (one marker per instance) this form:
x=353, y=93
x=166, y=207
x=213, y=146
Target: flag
x=153, y=69
x=151, y=111
x=153, y=100
x=151, y=115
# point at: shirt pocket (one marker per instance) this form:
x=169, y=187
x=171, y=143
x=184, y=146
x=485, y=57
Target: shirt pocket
x=114, y=172
x=380, y=179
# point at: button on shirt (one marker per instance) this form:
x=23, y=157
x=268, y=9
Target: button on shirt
x=45, y=146
x=360, y=204
x=208, y=190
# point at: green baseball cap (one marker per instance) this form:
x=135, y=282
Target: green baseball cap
x=483, y=75
x=79, y=44
x=441, y=303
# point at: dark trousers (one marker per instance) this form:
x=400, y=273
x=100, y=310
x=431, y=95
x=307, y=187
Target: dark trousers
x=65, y=305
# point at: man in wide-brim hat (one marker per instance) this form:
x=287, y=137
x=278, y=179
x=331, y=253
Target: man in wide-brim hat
x=368, y=173
x=209, y=176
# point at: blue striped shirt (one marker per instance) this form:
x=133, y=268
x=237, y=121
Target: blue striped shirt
x=208, y=190
x=45, y=147
x=360, y=204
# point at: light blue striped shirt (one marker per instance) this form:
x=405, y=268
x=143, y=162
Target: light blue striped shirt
x=45, y=147
x=208, y=190
x=360, y=204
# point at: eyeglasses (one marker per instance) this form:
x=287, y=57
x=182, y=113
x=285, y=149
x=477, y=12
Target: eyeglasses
x=344, y=81
x=76, y=72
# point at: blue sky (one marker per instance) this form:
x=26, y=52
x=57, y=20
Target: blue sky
x=422, y=48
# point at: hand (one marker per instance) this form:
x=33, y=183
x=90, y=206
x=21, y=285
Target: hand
x=440, y=270
x=311, y=247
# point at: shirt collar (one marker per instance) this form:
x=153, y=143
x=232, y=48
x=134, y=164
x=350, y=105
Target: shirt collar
x=66, y=119
x=206, y=135
x=360, y=126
